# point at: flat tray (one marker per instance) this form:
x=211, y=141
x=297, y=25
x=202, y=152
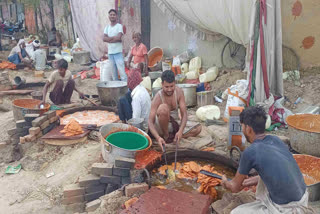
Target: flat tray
x=55, y=134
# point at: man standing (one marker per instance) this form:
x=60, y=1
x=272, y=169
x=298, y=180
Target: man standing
x=164, y=112
x=113, y=36
x=281, y=187
x=60, y=85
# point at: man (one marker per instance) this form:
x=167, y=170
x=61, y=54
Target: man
x=60, y=85
x=39, y=56
x=164, y=112
x=136, y=103
x=113, y=36
x=281, y=187
x=54, y=38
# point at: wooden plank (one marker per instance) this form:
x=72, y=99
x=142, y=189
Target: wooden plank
x=64, y=142
x=55, y=134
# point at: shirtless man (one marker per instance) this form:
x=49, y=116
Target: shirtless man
x=164, y=112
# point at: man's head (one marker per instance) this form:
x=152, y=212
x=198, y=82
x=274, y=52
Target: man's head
x=36, y=44
x=253, y=122
x=136, y=37
x=134, y=79
x=112, y=15
x=62, y=67
x=168, y=82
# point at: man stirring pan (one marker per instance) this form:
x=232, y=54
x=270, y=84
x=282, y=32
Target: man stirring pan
x=281, y=187
x=164, y=112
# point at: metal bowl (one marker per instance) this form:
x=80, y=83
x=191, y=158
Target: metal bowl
x=110, y=92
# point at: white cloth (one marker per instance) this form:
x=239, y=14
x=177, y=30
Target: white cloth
x=114, y=48
x=17, y=48
x=141, y=103
x=264, y=204
x=40, y=59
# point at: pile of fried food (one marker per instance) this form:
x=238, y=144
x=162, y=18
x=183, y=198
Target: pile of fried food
x=72, y=128
x=9, y=65
x=191, y=170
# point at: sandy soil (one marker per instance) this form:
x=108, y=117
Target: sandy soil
x=30, y=191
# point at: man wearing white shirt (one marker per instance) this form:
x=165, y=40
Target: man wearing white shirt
x=113, y=36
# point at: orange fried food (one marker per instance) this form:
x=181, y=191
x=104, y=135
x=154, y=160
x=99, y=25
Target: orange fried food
x=209, y=149
x=72, y=128
x=161, y=187
x=131, y=201
x=5, y=64
x=162, y=169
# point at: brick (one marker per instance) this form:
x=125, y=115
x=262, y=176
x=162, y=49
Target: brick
x=12, y=131
x=39, y=135
x=122, y=162
x=134, y=189
x=76, y=208
x=21, y=123
x=95, y=188
x=125, y=180
x=22, y=139
x=53, y=119
x=20, y=133
x=50, y=114
x=38, y=121
x=93, y=196
x=2, y=145
x=34, y=130
x=93, y=205
x=45, y=124
x=31, y=117
x=48, y=129
x=102, y=169
x=73, y=200
x=88, y=180
x=110, y=180
x=123, y=172
x=72, y=190
x=112, y=187
x=30, y=138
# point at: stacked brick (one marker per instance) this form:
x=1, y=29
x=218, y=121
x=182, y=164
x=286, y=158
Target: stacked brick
x=5, y=83
x=33, y=127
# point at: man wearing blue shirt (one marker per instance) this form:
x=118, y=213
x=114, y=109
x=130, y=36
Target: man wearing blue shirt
x=281, y=187
x=113, y=36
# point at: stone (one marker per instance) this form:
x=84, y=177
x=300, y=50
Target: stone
x=111, y=188
x=102, y=169
x=88, y=180
x=93, y=196
x=122, y=162
x=50, y=114
x=34, y=130
x=53, y=119
x=45, y=124
x=136, y=189
x=73, y=200
x=31, y=117
x=22, y=139
x=180, y=202
x=125, y=180
x=93, y=205
x=39, y=135
x=110, y=180
x=95, y=188
x=123, y=172
x=76, y=208
x=39, y=120
x=21, y=123
x=72, y=190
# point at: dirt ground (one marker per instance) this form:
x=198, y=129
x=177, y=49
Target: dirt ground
x=30, y=191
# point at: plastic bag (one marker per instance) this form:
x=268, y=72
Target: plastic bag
x=195, y=64
x=209, y=112
x=210, y=75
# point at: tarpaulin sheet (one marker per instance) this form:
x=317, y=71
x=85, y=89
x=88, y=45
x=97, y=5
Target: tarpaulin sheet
x=89, y=19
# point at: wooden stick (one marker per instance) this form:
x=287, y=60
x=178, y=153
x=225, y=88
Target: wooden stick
x=15, y=92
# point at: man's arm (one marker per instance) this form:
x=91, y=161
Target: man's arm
x=136, y=107
x=235, y=185
x=146, y=59
x=184, y=115
x=113, y=39
x=80, y=93
x=45, y=90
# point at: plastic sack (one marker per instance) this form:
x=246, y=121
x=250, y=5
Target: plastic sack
x=210, y=75
x=106, y=68
x=58, y=56
x=157, y=83
x=209, y=112
x=184, y=68
x=192, y=75
x=146, y=82
x=195, y=64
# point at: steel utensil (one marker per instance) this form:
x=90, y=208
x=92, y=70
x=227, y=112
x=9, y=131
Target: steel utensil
x=212, y=174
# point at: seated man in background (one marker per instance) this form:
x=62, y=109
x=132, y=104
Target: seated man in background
x=60, y=85
x=136, y=103
x=281, y=187
x=54, y=38
x=39, y=56
x=164, y=112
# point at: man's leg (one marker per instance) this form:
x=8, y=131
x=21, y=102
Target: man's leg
x=120, y=66
x=163, y=116
x=68, y=90
x=114, y=69
x=56, y=95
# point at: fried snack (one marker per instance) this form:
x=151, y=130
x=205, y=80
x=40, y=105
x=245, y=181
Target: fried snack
x=72, y=128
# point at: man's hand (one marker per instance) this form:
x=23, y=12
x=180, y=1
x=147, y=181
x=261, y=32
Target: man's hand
x=224, y=181
x=178, y=137
x=253, y=181
x=81, y=95
x=42, y=103
x=161, y=142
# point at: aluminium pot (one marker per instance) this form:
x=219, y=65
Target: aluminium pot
x=110, y=92
x=190, y=93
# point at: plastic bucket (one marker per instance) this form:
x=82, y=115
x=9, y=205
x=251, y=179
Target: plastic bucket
x=128, y=140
